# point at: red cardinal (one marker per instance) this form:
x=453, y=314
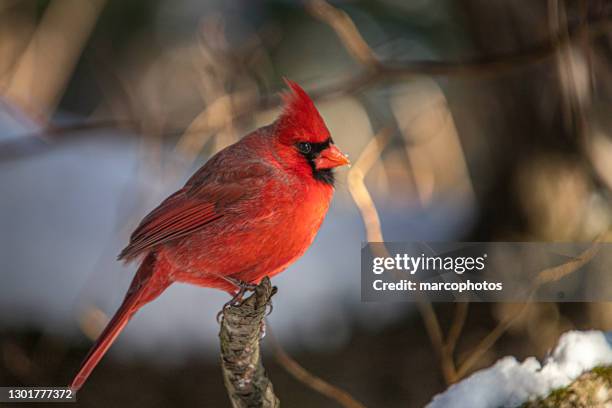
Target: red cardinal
x=249, y=212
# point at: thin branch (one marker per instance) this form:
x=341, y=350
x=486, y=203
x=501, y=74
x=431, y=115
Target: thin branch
x=316, y=383
x=555, y=273
x=461, y=312
x=344, y=26
x=488, y=341
x=449, y=368
x=432, y=325
x=358, y=189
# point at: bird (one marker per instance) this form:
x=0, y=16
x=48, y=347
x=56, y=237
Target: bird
x=249, y=212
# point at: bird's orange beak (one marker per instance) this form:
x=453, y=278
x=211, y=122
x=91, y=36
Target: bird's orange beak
x=330, y=158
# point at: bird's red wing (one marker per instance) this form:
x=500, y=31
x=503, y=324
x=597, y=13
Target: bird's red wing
x=206, y=197
x=177, y=216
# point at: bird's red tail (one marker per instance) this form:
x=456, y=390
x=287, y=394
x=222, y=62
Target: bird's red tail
x=143, y=289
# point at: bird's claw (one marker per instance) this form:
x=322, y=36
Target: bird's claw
x=237, y=299
x=270, y=308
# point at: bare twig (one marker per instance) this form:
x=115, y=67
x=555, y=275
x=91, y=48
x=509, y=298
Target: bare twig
x=461, y=311
x=487, y=342
x=304, y=376
x=555, y=273
x=432, y=325
x=347, y=31
x=243, y=372
x=448, y=349
x=358, y=189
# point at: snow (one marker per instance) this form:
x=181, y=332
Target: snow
x=509, y=383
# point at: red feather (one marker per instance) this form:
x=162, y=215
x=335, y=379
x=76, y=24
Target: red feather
x=174, y=218
x=300, y=119
x=141, y=291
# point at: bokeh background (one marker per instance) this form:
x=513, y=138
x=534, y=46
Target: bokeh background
x=466, y=121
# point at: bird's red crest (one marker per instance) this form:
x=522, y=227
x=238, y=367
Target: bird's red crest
x=300, y=120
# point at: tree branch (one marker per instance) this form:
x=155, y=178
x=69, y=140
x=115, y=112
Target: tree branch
x=307, y=378
x=243, y=372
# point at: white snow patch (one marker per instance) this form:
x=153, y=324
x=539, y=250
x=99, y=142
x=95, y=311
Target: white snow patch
x=509, y=383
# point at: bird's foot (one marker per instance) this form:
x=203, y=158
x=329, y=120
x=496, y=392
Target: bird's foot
x=242, y=288
x=270, y=308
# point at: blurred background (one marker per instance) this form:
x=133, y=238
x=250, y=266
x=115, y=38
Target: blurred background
x=466, y=121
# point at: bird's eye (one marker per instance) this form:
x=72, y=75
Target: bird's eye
x=304, y=147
